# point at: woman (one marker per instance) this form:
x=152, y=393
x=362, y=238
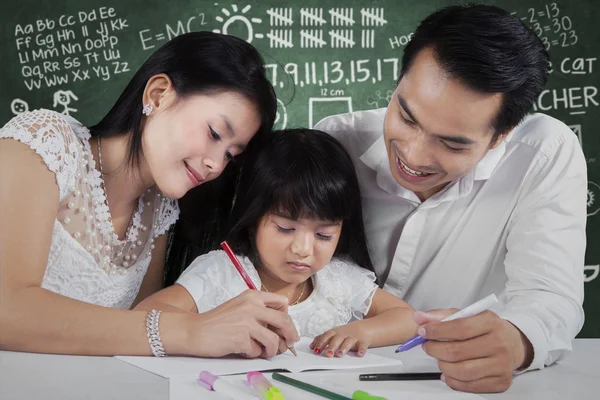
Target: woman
x=85, y=212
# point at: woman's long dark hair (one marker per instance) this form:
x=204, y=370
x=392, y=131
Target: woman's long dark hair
x=303, y=173
x=196, y=63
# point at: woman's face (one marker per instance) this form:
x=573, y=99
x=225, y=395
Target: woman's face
x=191, y=141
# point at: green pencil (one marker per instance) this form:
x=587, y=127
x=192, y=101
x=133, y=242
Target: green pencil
x=309, y=388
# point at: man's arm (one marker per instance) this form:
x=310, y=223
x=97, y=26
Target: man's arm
x=545, y=257
x=544, y=290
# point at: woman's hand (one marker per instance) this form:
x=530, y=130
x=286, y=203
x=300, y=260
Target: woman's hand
x=239, y=326
x=339, y=341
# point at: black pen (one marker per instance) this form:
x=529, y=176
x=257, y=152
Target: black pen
x=408, y=376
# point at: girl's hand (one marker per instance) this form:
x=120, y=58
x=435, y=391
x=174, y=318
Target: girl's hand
x=339, y=341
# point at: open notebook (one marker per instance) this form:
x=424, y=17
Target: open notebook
x=177, y=367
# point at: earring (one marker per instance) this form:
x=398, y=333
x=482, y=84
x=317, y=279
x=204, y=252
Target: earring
x=147, y=109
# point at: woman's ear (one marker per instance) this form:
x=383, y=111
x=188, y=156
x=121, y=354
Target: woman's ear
x=159, y=92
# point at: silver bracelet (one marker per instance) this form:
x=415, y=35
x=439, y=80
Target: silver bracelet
x=153, y=334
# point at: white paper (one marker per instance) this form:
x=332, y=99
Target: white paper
x=175, y=367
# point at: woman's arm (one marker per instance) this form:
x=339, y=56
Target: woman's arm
x=153, y=281
x=37, y=320
x=174, y=298
x=177, y=299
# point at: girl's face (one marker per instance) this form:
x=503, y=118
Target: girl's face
x=293, y=250
x=193, y=141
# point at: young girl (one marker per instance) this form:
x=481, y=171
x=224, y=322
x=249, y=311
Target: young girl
x=298, y=231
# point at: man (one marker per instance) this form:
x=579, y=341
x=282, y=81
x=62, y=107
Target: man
x=466, y=195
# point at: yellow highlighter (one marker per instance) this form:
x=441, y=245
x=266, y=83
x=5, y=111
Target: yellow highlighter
x=262, y=385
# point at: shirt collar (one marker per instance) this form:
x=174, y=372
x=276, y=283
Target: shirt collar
x=376, y=158
x=487, y=165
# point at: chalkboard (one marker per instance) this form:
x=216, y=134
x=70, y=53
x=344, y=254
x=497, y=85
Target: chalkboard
x=76, y=57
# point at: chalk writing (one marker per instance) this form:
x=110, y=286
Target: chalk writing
x=71, y=48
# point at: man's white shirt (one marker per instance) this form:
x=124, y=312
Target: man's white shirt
x=513, y=226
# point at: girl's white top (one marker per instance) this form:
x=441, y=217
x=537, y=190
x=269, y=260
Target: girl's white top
x=87, y=261
x=343, y=291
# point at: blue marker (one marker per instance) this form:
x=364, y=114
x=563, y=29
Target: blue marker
x=470, y=311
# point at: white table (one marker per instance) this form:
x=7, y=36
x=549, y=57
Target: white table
x=39, y=376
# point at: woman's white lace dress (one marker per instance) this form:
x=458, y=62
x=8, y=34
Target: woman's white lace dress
x=87, y=261
x=343, y=291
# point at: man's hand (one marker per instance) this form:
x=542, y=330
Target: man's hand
x=475, y=354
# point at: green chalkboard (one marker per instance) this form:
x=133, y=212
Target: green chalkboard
x=75, y=56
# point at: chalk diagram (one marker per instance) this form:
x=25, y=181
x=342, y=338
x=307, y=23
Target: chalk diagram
x=577, y=130
x=592, y=209
x=379, y=100
x=18, y=106
x=340, y=33
x=344, y=101
x=281, y=119
x=280, y=17
x=240, y=17
x=593, y=198
x=63, y=98
x=594, y=271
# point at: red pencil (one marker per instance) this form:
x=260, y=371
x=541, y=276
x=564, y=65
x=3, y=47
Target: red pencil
x=244, y=275
x=238, y=266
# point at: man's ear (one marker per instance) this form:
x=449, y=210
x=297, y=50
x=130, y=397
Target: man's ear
x=499, y=139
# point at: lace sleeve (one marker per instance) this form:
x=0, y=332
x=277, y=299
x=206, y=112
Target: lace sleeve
x=168, y=215
x=49, y=135
x=211, y=281
x=348, y=287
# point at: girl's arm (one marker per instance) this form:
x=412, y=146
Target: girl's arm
x=388, y=322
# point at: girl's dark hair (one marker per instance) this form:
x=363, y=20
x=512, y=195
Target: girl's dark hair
x=196, y=63
x=304, y=174
x=488, y=50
